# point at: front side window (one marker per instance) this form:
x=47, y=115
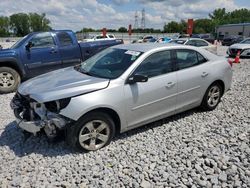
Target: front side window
x=64, y=39
x=42, y=40
x=109, y=63
x=156, y=64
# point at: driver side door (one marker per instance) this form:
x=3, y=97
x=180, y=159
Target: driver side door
x=156, y=98
x=43, y=55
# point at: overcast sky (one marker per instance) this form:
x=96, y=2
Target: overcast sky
x=76, y=14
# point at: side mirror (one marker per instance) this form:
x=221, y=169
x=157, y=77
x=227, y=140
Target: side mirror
x=137, y=78
x=29, y=45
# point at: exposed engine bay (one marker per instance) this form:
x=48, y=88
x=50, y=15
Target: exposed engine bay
x=33, y=116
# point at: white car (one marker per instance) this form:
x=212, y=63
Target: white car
x=101, y=37
x=196, y=42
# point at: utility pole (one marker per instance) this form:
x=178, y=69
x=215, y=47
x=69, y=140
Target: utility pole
x=143, y=22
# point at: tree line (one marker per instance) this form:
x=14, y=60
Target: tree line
x=207, y=25
x=21, y=24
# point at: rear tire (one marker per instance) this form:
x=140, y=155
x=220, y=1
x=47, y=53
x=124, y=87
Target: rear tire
x=9, y=80
x=91, y=132
x=212, y=97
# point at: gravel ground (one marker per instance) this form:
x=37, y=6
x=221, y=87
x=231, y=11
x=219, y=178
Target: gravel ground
x=192, y=149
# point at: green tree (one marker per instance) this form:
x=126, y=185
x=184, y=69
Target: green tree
x=122, y=29
x=4, y=26
x=20, y=24
x=239, y=16
x=39, y=22
x=175, y=27
x=203, y=26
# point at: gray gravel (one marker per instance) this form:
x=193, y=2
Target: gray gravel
x=192, y=149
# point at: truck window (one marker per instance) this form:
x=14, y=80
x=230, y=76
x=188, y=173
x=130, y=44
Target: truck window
x=42, y=40
x=64, y=39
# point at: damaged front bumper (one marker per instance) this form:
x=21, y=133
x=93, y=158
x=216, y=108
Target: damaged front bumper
x=34, y=117
x=30, y=126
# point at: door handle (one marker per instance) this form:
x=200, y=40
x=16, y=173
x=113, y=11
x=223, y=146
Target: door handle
x=170, y=84
x=204, y=74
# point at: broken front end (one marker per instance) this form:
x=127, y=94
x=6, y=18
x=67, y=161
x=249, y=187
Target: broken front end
x=33, y=117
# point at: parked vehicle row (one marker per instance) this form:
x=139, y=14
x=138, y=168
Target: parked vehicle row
x=120, y=88
x=41, y=52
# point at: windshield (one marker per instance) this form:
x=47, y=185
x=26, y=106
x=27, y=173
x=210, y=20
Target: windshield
x=178, y=41
x=247, y=41
x=110, y=63
x=18, y=43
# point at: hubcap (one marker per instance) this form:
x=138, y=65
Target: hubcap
x=94, y=135
x=213, y=96
x=6, y=80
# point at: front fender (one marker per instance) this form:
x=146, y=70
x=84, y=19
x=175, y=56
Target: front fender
x=13, y=62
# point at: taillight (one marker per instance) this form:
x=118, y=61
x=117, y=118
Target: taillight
x=230, y=62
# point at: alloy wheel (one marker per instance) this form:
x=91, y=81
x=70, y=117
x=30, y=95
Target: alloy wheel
x=213, y=96
x=94, y=135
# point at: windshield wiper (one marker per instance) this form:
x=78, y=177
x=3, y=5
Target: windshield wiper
x=80, y=69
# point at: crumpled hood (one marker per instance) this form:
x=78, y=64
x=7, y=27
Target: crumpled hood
x=240, y=46
x=61, y=84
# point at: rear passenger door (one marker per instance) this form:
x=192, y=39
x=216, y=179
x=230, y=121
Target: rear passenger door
x=69, y=49
x=155, y=98
x=192, y=78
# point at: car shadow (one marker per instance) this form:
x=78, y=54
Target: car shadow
x=22, y=143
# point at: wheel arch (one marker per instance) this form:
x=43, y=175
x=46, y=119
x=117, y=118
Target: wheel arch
x=221, y=83
x=14, y=66
x=112, y=113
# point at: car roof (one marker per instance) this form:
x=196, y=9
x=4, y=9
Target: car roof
x=144, y=47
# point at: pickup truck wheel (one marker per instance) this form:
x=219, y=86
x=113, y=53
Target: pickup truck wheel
x=9, y=80
x=212, y=97
x=91, y=132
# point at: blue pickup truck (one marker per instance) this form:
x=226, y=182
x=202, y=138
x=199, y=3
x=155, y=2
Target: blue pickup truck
x=41, y=52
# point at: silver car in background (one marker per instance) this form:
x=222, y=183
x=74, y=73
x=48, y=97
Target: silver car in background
x=121, y=88
x=200, y=43
x=243, y=47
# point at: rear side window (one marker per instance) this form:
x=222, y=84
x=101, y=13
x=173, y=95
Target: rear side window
x=64, y=39
x=42, y=40
x=188, y=58
x=201, y=59
x=156, y=64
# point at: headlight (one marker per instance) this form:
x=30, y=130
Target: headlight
x=56, y=106
x=245, y=52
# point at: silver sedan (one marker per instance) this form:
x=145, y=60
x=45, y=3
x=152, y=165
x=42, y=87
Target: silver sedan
x=121, y=88
x=243, y=47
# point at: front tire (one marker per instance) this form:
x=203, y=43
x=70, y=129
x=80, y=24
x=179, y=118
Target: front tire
x=91, y=132
x=9, y=80
x=212, y=97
